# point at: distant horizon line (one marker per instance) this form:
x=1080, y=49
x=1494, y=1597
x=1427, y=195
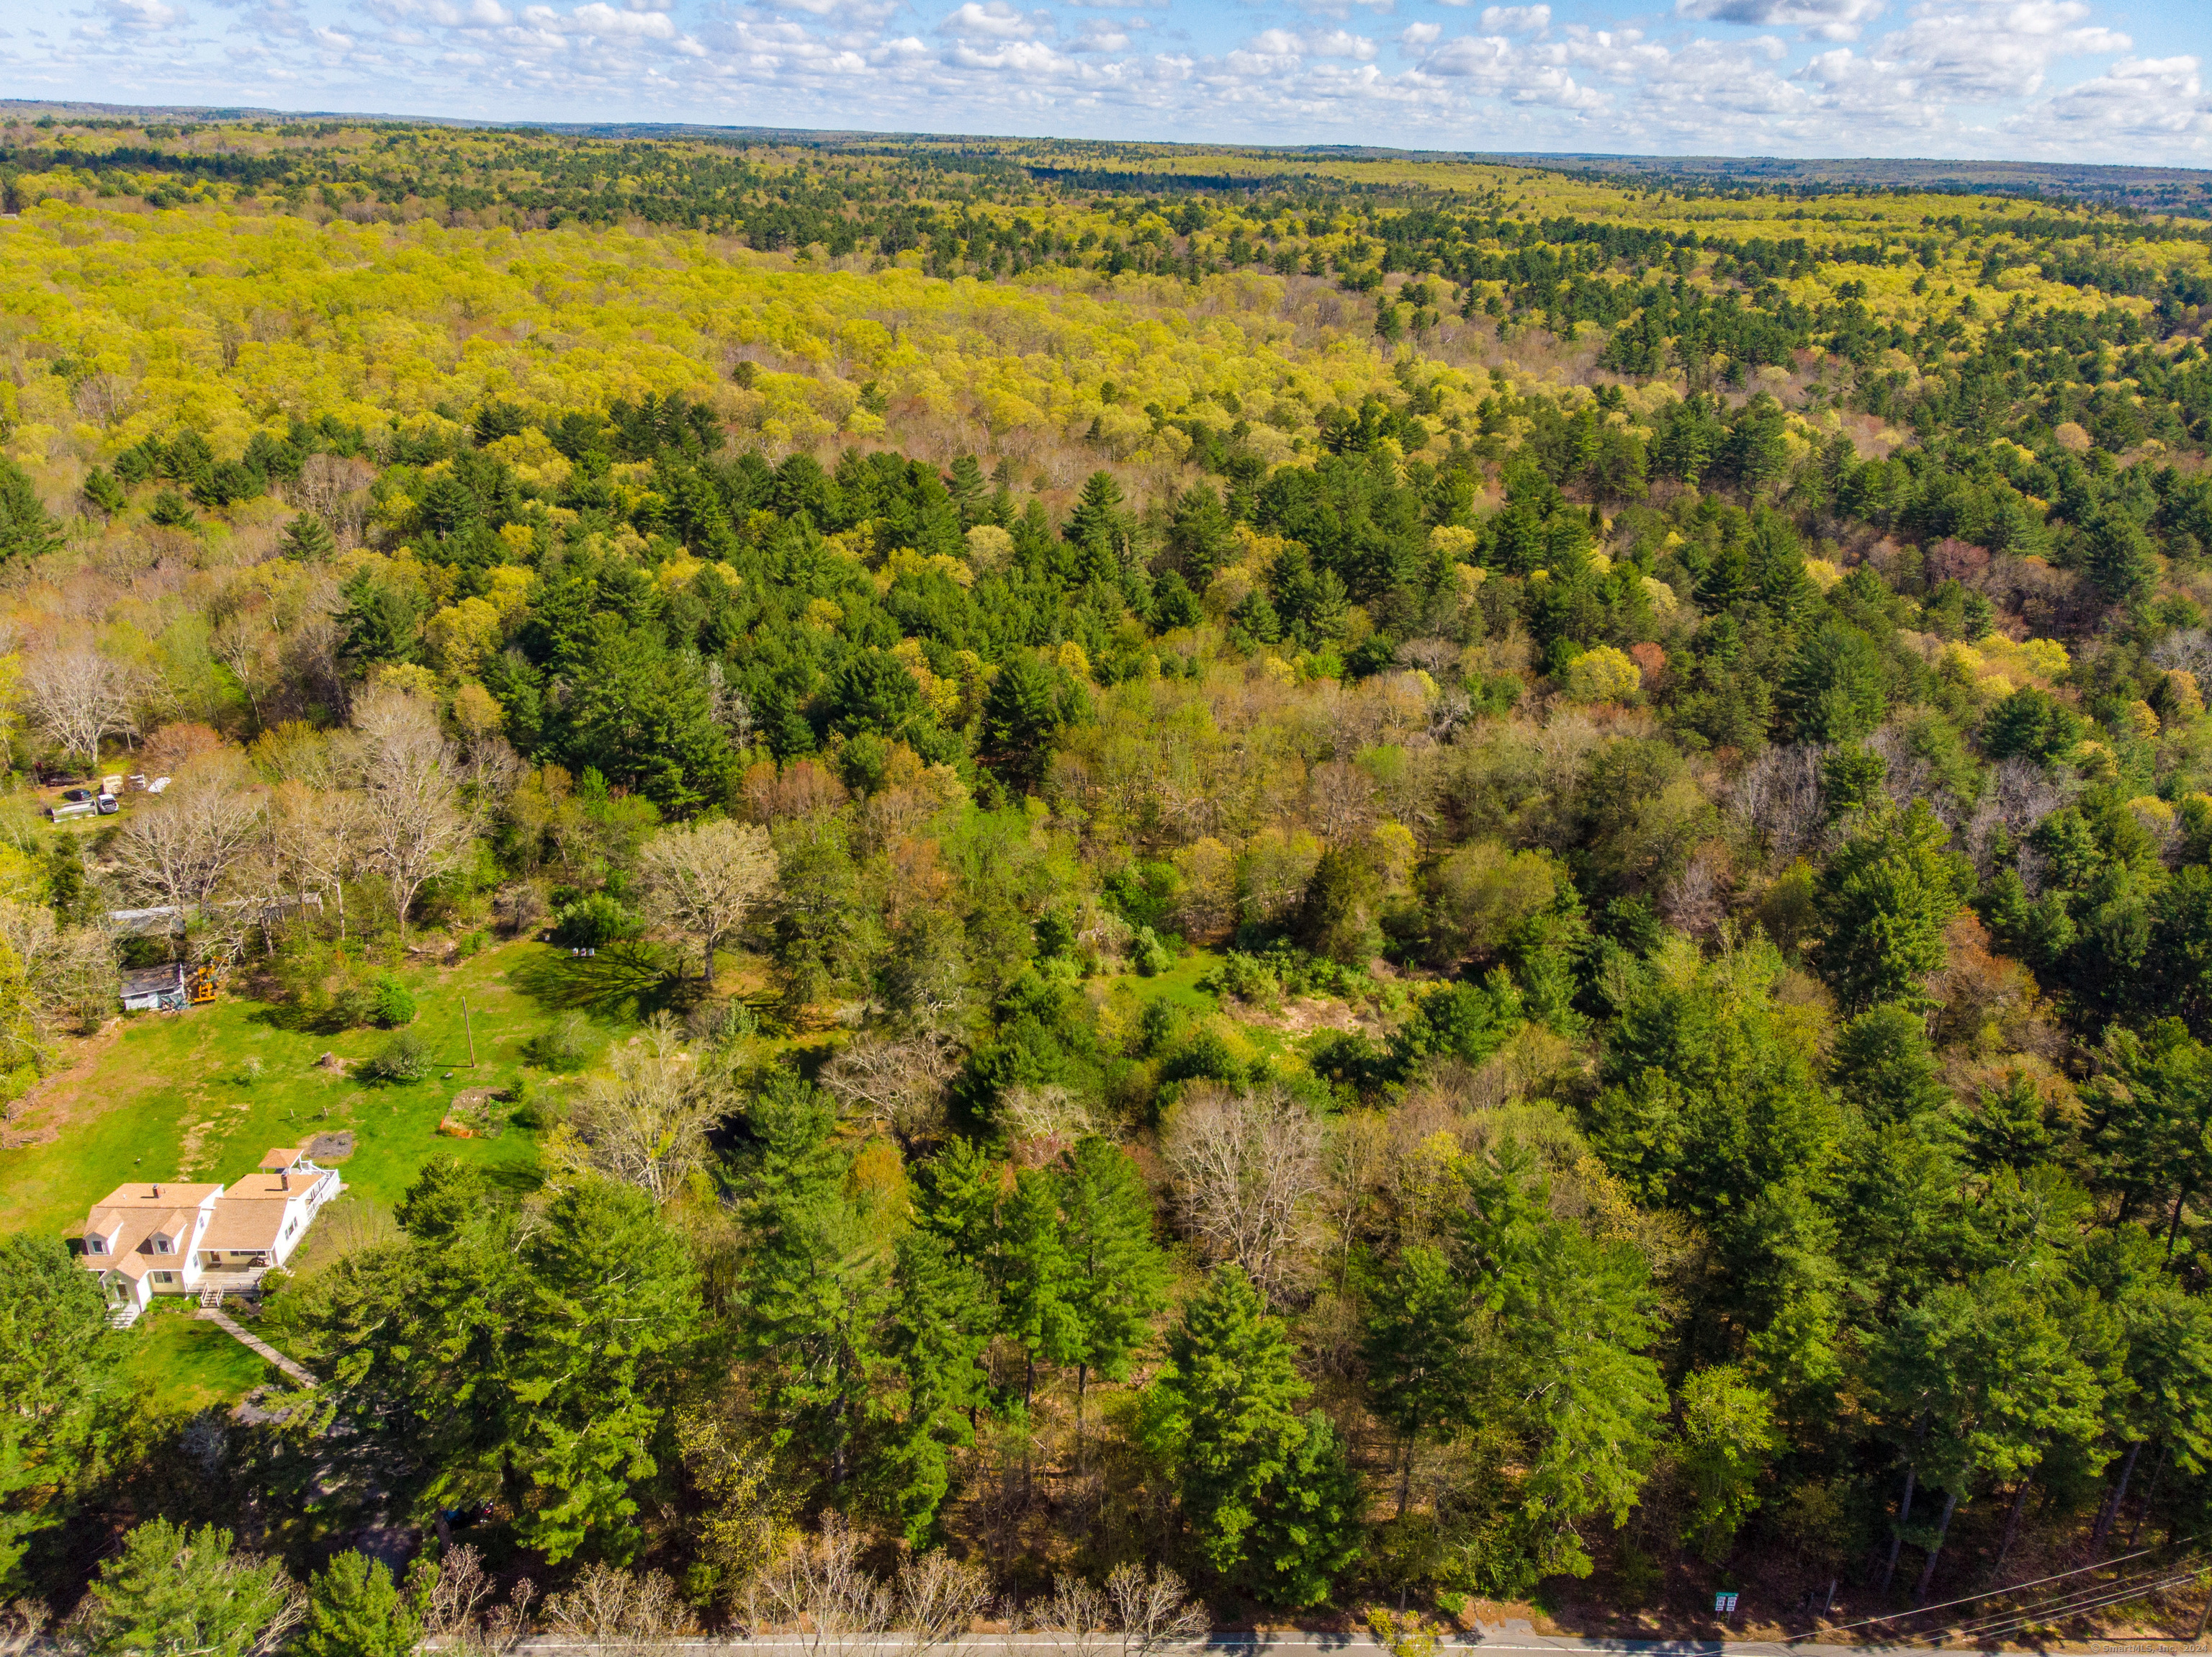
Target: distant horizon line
x=59, y=107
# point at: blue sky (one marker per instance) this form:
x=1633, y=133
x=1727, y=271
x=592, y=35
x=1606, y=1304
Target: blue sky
x=2053, y=80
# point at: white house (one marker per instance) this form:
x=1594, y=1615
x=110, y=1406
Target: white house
x=155, y=989
x=145, y=1240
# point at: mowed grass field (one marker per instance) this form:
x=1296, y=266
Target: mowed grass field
x=193, y=1365
x=199, y=1095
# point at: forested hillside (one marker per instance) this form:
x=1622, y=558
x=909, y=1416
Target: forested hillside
x=1380, y=882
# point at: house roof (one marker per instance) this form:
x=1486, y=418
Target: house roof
x=282, y=1157
x=271, y=1186
x=251, y=1212
x=153, y=980
x=252, y=1223
x=138, y=1199
x=131, y=1213
x=146, y=923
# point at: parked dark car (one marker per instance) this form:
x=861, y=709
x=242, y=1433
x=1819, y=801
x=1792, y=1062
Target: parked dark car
x=75, y=794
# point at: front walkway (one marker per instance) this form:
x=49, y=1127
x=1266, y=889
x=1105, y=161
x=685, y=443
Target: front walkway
x=229, y=1326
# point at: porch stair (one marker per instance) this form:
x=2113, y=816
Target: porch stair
x=124, y=1316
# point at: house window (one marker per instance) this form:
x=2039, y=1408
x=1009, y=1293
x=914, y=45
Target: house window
x=163, y=1246
x=164, y=1276
x=96, y=1245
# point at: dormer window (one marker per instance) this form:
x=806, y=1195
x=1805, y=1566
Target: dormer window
x=163, y=1246
x=96, y=1245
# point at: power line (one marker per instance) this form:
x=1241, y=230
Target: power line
x=1995, y=1629
x=2066, y=1603
x=1987, y=1593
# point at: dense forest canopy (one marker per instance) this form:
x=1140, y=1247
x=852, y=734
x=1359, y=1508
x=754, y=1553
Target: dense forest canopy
x=1372, y=881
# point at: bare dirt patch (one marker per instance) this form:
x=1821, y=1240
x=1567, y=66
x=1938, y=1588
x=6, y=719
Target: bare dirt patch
x=1301, y=1016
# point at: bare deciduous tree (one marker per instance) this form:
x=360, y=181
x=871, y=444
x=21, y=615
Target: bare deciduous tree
x=458, y=1594
x=78, y=697
x=1078, y=1610
x=1342, y=800
x=939, y=1598
x=628, y=1611
x=1246, y=1166
x=704, y=877
x=1778, y=794
x=1152, y=1610
x=243, y=642
x=70, y=970
x=823, y=1591
x=335, y=490
x=416, y=828
x=316, y=837
x=177, y=847
x=897, y=1081
x=644, y=1121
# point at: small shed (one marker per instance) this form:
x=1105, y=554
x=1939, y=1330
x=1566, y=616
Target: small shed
x=155, y=989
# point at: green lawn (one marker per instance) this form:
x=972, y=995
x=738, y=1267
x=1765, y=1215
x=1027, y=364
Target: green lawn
x=175, y=1096
x=193, y=1364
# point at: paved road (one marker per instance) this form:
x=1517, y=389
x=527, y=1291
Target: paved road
x=1291, y=1643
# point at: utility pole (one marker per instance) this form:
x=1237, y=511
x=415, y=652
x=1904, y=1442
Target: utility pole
x=469, y=1030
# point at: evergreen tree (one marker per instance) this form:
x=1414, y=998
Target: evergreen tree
x=1262, y=1488
x=1886, y=901
x=104, y=491
x=1034, y=1277
x=1834, y=688
x=27, y=530
x=2121, y=560
x=355, y=1610
x=308, y=538
x=1199, y=535
x=966, y=485
x=174, y=1590
x=1021, y=716
x=57, y=1361
x=942, y=1322
x=1117, y=1276
x=1420, y=1350
x=614, y=1318
x=380, y=621
x=817, y=1282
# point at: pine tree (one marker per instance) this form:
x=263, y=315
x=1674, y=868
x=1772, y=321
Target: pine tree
x=27, y=530
x=960, y=1190
x=308, y=538
x=1262, y=1488
x=616, y=1307
x=1021, y=716
x=1098, y=520
x=817, y=1282
x=355, y=1610
x=170, y=1589
x=1117, y=1275
x=102, y=490
x=1886, y=900
x=966, y=485
x=57, y=1358
x=1420, y=1350
x=1034, y=1281
x=1308, y=1527
x=942, y=1323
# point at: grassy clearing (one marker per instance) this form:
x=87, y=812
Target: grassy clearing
x=192, y=1365
x=179, y=1095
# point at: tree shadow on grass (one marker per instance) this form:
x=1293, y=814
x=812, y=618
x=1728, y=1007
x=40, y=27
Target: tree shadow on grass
x=630, y=979
x=301, y=1020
